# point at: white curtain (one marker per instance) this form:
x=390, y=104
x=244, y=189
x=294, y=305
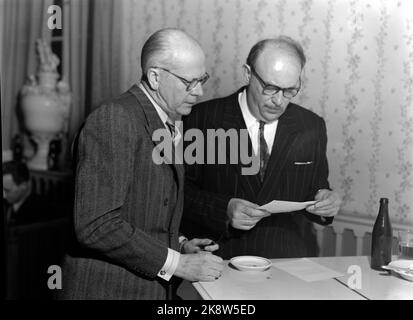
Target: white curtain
x=106, y=53
x=77, y=38
x=23, y=22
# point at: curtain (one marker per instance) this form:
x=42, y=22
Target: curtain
x=23, y=22
x=91, y=65
x=106, y=53
x=76, y=39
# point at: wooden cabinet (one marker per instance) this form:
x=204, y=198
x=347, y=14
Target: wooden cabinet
x=56, y=186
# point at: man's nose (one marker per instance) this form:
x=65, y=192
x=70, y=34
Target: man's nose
x=198, y=90
x=277, y=98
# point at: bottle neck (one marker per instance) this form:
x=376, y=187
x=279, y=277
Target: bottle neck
x=384, y=209
x=383, y=220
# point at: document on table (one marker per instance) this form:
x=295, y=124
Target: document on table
x=307, y=270
x=278, y=206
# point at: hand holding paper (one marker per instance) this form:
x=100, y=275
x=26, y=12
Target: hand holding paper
x=328, y=203
x=243, y=214
x=278, y=206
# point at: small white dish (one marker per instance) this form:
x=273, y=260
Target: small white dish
x=251, y=263
x=403, y=268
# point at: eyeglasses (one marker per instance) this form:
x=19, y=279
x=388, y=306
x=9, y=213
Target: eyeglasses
x=190, y=84
x=270, y=89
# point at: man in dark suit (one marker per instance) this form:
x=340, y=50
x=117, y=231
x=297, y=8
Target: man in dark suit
x=127, y=207
x=221, y=201
x=17, y=190
x=21, y=205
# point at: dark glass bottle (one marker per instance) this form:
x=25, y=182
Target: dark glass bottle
x=382, y=237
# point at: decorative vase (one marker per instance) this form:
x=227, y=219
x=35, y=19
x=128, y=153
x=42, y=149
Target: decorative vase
x=45, y=106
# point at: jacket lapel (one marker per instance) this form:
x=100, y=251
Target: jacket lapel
x=153, y=122
x=285, y=136
x=233, y=119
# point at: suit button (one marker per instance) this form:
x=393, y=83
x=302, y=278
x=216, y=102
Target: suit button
x=165, y=202
x=163, y=272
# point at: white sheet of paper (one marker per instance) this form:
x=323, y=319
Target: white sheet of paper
x=307, y=270
x=277, y=206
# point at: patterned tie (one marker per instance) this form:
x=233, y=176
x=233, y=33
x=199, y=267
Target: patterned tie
x=172, y=129
x=264, y=155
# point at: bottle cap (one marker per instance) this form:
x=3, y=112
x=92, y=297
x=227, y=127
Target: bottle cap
x=384, y=200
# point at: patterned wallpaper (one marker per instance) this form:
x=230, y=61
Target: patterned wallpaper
x=359, y=77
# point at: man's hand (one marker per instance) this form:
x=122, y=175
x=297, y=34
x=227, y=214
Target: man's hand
x=243, y=214
x=202, y=266
x=195, y=245
x=327, y=205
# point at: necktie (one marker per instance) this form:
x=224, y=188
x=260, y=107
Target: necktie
x=264, y=155
x=171, y=129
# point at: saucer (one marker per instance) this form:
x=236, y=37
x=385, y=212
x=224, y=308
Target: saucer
x=251, y=263
x=403, y=264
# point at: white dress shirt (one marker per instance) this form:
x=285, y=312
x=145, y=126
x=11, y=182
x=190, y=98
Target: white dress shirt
x=253, y=125
x=173, y=257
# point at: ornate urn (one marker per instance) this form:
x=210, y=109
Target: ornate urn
x=45, y=106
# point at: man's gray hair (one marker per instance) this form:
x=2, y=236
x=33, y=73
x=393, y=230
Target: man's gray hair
x=282, y=42
x=158, y=50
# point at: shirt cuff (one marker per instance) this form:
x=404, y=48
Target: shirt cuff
x=170, y=265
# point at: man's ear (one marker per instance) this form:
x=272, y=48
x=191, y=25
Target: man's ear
x=25, y=185
x=246, y=72
x=153, y=78
x=302, y=75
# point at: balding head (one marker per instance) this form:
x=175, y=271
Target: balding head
x=173, y=71
x=169, y=48
x=282, y=45
x=273, y=72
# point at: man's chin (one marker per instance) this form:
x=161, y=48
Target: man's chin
x=272, y=116
x=185, y=109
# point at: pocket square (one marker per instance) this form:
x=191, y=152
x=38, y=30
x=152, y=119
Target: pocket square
x=298, y=163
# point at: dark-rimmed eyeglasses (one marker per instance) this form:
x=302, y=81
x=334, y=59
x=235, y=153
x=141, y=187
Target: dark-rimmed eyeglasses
x=270, y=89
x=190, y=84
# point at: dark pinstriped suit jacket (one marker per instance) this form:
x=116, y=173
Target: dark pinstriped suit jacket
x=127, y=208
x=300, y=137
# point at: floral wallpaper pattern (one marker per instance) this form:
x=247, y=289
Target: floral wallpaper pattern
x=359, y=77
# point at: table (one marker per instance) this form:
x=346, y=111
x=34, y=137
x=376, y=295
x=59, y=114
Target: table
x=275, y=284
